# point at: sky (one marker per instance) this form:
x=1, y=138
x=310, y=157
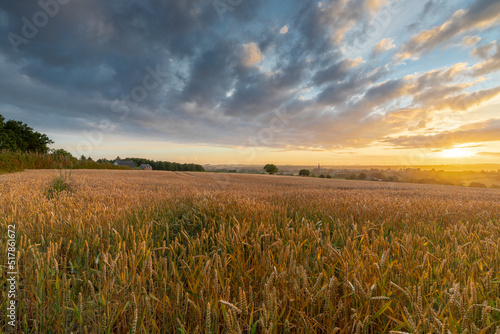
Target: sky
x=250, y=81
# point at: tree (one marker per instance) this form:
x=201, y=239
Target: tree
x=304, y=172
x=61, y=152
x=328, y=176
x=271, y=169
x=322, y=176
x=392, y=178
x=362, y=176
x=17, y=136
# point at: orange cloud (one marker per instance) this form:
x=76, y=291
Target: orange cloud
x=384, y=45
x=481, y=15
x=468, y=40
x=475, y=133
x=465, y=101
x=492, y=154
x=374, y=5
x=251, y=54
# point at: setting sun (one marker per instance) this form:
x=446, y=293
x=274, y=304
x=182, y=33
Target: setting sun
x=458, y=152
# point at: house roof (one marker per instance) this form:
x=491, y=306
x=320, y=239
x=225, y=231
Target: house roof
x=128, y=163
x=145, y=166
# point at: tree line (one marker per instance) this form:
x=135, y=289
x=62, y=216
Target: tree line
x=22, y=147
x=161, y=165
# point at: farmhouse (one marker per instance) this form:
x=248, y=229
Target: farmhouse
x=128, y=163
x=146, y=167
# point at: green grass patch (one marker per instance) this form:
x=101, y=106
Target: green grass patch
x=58, y=185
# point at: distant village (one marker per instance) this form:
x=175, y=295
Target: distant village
x=472, y=178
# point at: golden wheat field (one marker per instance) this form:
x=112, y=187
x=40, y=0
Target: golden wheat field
x=176, y=252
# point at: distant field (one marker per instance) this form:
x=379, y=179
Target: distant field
x=114, y=251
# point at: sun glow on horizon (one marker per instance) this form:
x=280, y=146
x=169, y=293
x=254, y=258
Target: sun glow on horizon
x=458, y=152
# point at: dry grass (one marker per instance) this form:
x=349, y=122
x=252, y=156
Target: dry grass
x=148, y=252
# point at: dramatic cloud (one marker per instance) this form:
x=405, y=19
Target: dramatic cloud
x=466, y=100
x=337, y=71
x=482, y=14
x=475, y=133
x=316, y=76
